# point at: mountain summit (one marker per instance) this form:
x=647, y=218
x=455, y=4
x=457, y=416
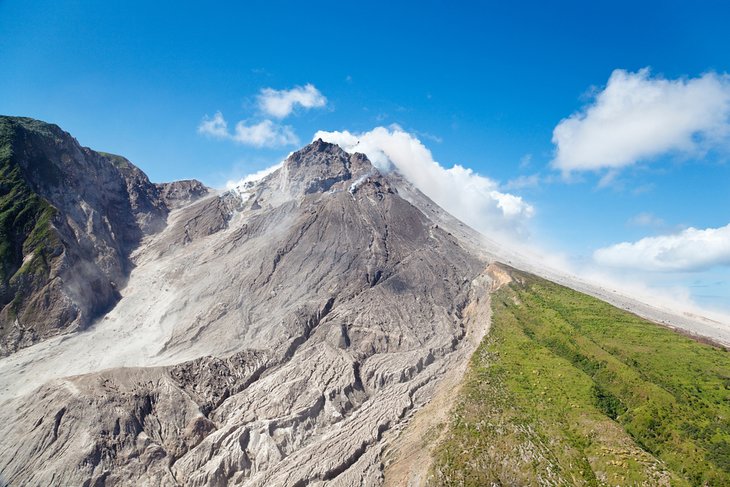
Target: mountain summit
x=320, y=166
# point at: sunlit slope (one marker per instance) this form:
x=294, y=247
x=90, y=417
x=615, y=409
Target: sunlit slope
x=567, y=389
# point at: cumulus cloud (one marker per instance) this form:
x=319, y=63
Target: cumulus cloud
x=637, y=117
x=474, y=199
x=266, y=133
x=691, y=249
x=281, y=103
x=263, y=134
x=215, y=127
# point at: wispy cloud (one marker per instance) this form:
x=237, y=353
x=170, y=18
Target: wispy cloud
x=525, y=161
x=522, y=182
x=637, y=117
x=471, y=197
x=645, y=219
x=690, y=250
x=262, y=134
x=281, y=103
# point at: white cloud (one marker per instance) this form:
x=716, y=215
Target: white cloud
x=263, y=134
x=637, y=117
x=215, y=127
x=474, y=199
x=266, y=133
x=691, y=249
x=281, y=103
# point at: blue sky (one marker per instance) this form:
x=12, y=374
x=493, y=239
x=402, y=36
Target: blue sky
x=480, y=86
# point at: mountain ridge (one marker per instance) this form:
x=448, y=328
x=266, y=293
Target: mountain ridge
x=70, y=217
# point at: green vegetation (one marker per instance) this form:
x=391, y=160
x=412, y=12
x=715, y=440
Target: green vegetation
x=25, y=218
x=568, y=390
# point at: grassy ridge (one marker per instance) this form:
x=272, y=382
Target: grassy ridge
x=25, y=225
x=568, y=390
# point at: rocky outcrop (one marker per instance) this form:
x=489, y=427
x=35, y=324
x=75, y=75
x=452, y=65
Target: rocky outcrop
x=104, y=429
x=181, y=193
x=70, y=218
x=320, y=166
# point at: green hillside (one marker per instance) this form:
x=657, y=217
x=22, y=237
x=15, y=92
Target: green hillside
x=568, y=390
x=25, y=220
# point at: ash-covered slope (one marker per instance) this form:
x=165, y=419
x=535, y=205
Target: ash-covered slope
x=274, y=335
x=69, y=218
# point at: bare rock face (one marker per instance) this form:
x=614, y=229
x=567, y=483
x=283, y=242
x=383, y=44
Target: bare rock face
x=205, y=217
x=108, y=428
x=69, y=218
x=181, y=193
x=320, y=166
x=273, y=335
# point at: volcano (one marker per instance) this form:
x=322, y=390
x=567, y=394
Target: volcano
x=285, y=332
